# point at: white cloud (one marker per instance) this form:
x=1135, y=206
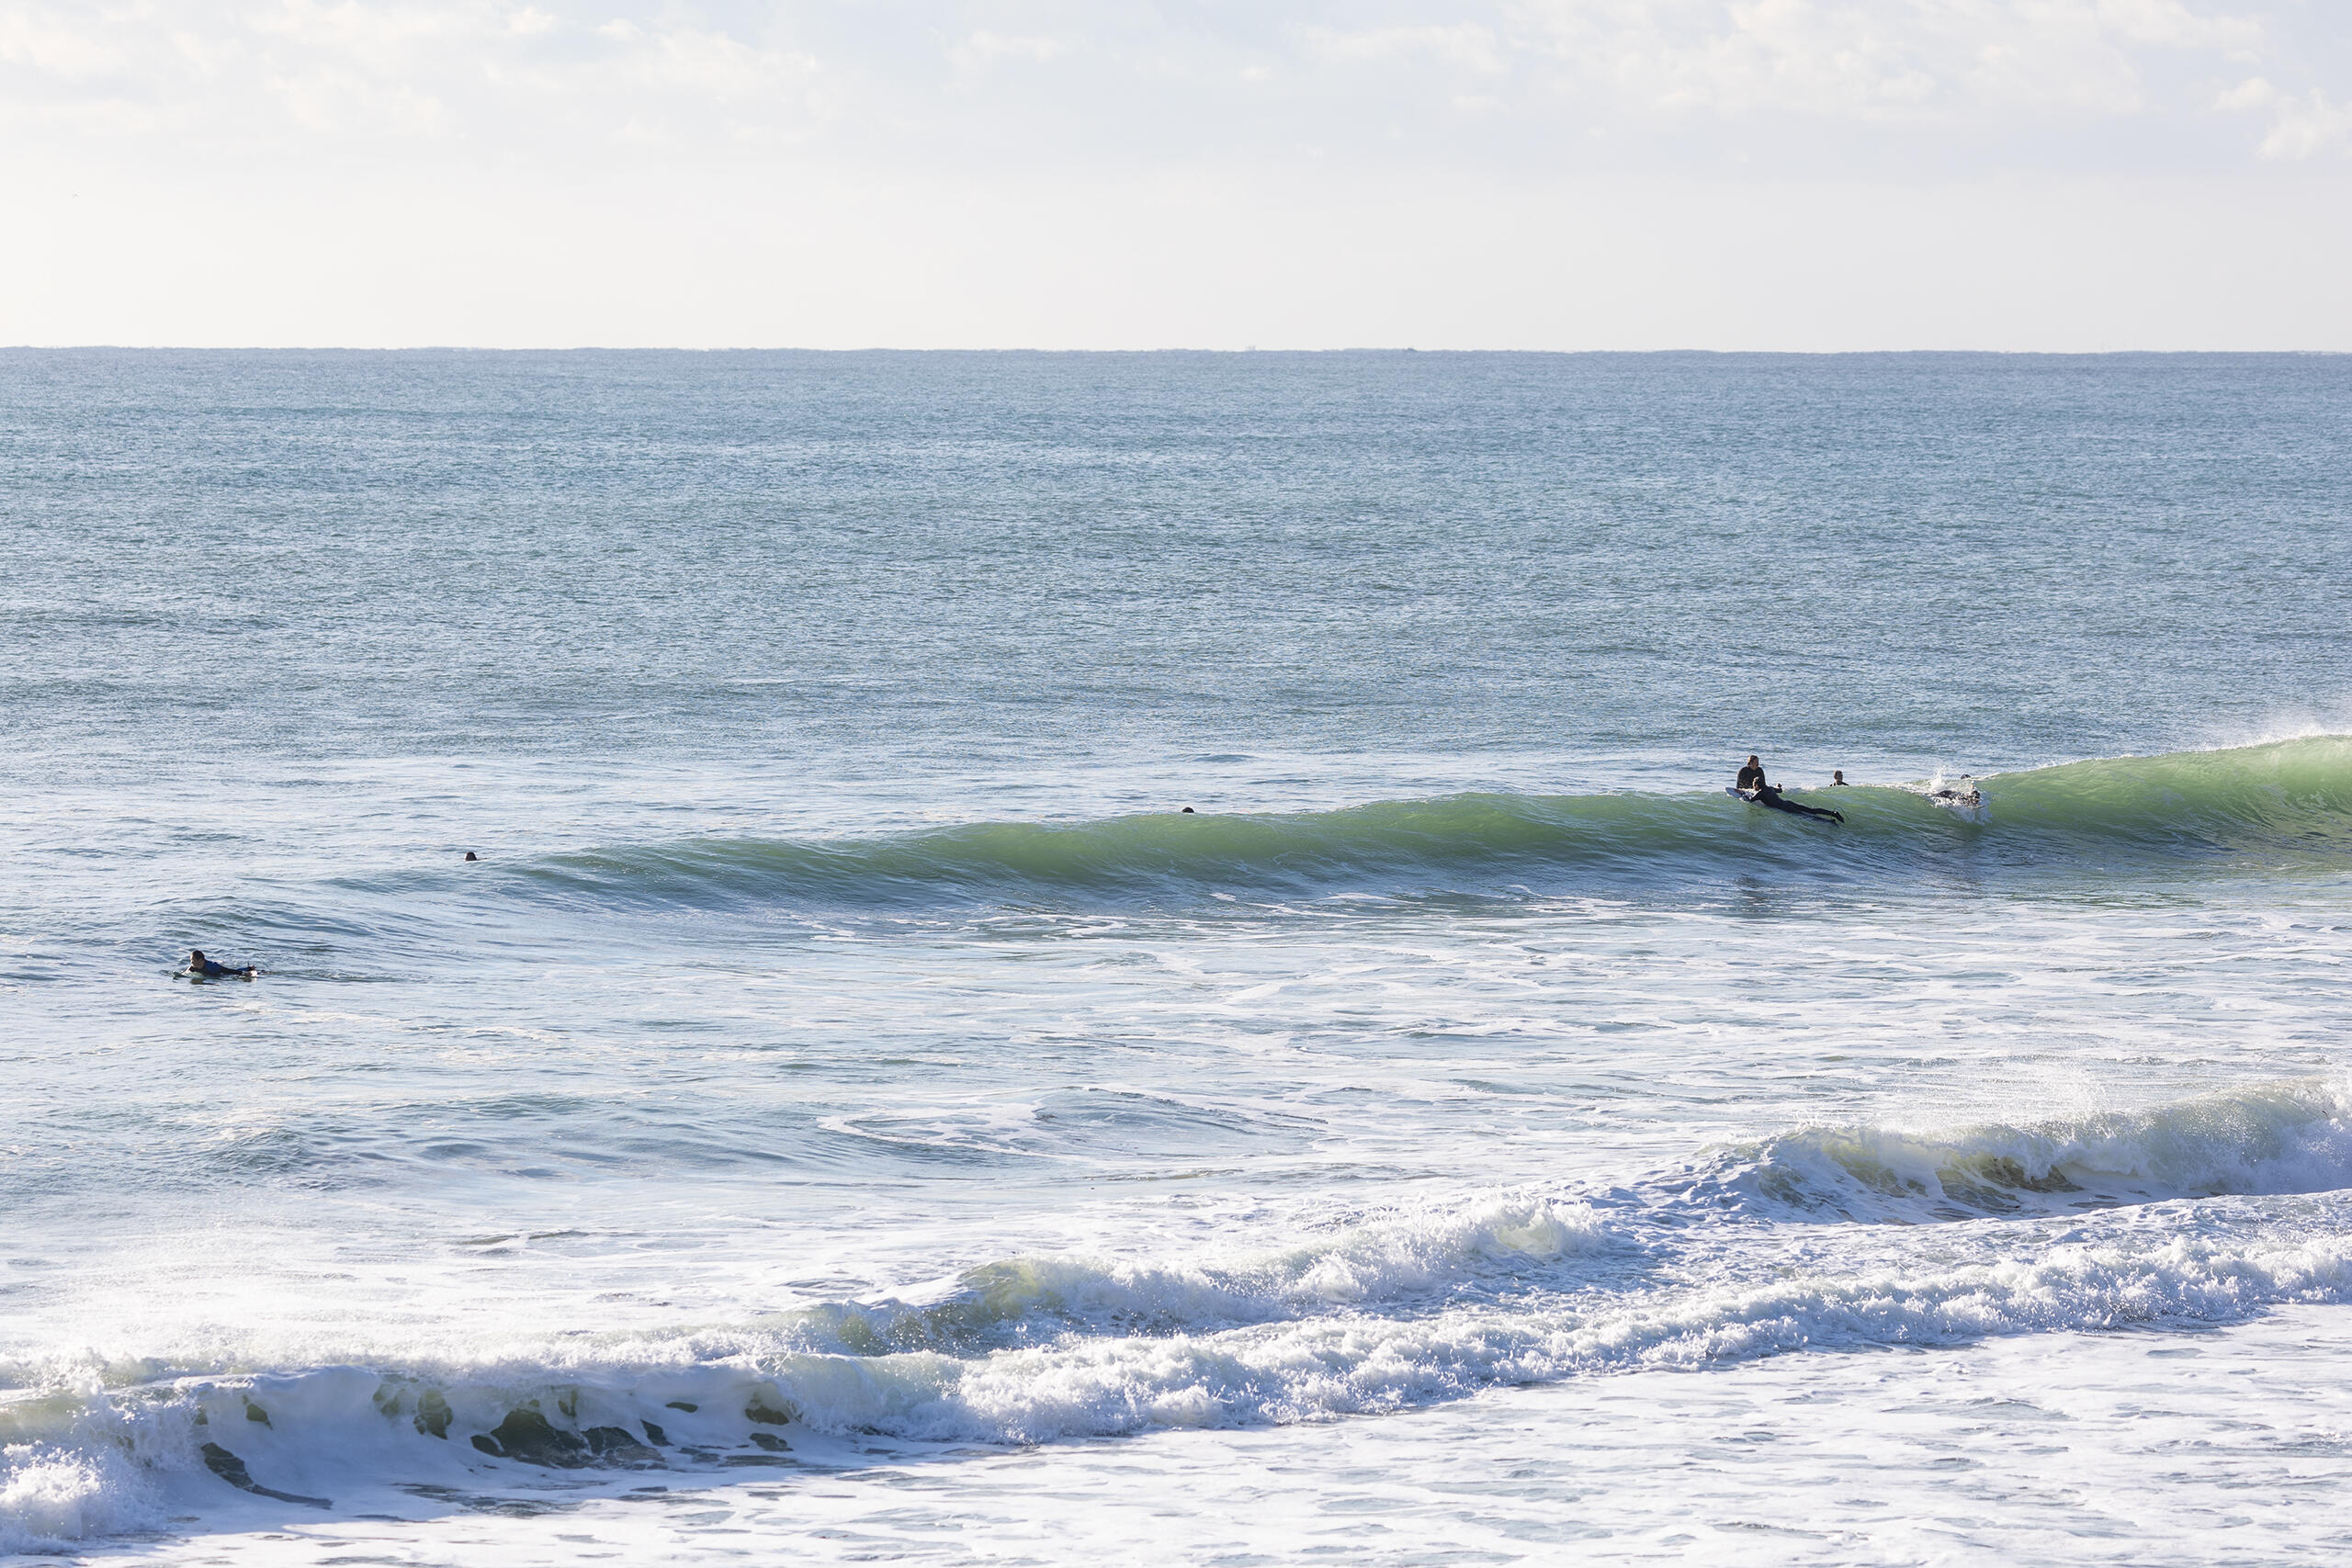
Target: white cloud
x=1882, y=60
x=481, y=70
x=2302, y=124
x=982, y=49
x=2308, y=125
x=1556, y=69
x=2254, y=93
x=1464, y=46
x=2171, y=25
x=245, y=116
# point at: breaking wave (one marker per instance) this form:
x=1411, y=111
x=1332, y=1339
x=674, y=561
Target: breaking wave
x=2270, y=1139
x=2287, y=803
x=308, y=1438
x=1361, y=1314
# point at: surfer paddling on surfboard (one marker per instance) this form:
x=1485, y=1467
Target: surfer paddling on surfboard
x=1752, y=788
x=202, y=968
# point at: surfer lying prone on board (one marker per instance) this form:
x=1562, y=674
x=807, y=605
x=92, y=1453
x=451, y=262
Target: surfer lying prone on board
x=1753, y=789
x=202, y=968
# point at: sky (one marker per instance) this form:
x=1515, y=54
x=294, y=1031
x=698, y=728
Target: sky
x=1804, y=174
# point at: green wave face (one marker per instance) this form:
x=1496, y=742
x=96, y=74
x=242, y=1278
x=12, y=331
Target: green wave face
x=2283, y=795
x=2282, y=806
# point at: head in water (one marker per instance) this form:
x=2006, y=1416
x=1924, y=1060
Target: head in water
x=1753, y=761
x=196, y=956
x=1836, y=775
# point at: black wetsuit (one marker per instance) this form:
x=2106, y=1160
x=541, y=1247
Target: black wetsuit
x=1768, y=795
x=1778, y=802
x=1751, y=782
x=213, y=969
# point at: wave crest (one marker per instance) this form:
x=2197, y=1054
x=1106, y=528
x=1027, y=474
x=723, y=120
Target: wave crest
x=2286, y=802
x=2272, y=1139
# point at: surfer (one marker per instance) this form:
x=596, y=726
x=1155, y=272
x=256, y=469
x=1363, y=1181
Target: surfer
x=202, y=968
x=1770, y=795
x=1752, y=785
x=1838, y=779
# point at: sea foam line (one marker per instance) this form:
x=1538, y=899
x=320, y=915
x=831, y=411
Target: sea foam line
x=305, y=1435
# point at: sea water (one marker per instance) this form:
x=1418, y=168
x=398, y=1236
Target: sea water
x=852, y=1108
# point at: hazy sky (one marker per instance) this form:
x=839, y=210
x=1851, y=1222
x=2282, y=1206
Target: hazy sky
x=1551, y=173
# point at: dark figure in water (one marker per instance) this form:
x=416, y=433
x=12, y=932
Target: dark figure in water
x=202, y=968
x=1770, y=795
x=1751, y=785
x=1838, y=779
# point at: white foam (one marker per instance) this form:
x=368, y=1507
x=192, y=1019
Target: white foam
x=1424, y=1247
x=336, y=1430
x=2274, y=1138
x=52, y=1498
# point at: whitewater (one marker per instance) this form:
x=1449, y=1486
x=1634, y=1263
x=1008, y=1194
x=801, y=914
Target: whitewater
x=1145, y=958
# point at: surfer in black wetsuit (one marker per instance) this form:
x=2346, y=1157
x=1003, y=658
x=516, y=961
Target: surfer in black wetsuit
x=1752, y=784
x=202, y=968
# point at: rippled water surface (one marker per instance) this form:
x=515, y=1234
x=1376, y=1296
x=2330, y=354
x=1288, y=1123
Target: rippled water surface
x=850, y=1108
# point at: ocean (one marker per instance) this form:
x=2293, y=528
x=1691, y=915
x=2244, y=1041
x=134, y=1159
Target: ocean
x=1144, y=958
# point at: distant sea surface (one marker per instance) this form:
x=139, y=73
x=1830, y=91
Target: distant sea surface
x=851, y=1110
